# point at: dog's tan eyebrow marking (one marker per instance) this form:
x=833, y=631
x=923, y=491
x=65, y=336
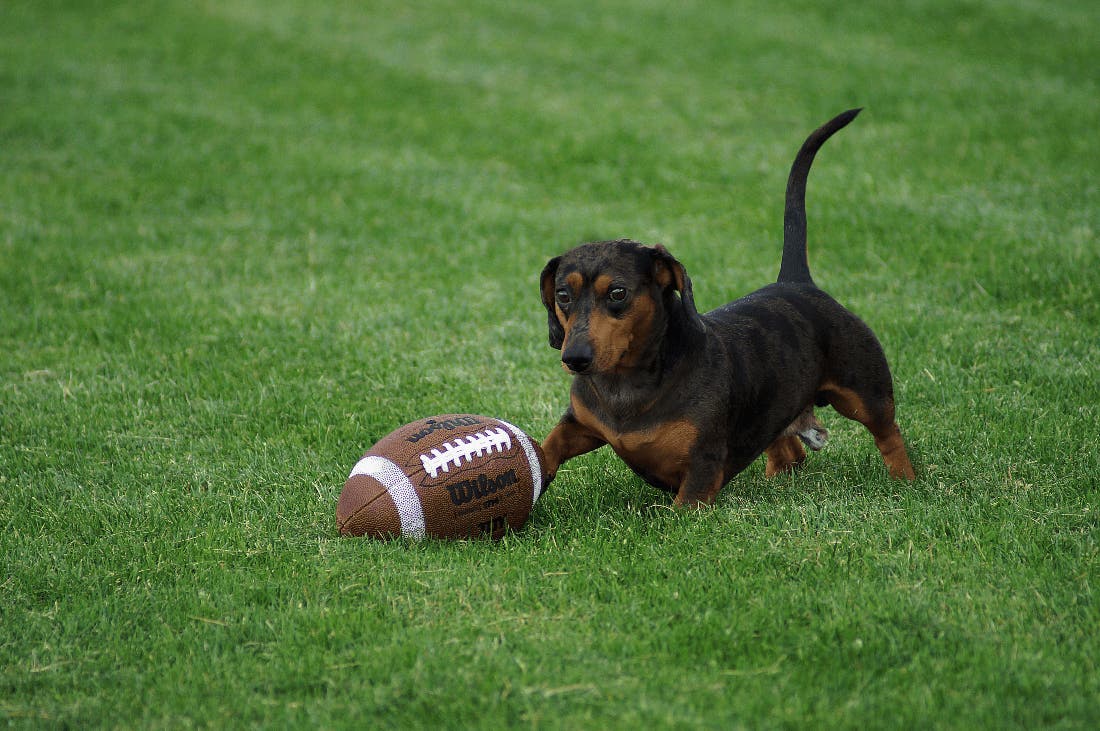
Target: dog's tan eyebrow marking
x=602, y=284
x=575, y=280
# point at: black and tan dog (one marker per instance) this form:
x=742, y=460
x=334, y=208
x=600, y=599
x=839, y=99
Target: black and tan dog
x=690, y=400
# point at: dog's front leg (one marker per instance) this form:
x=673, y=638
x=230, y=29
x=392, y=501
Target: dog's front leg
x=565, y=441
x=700, y=486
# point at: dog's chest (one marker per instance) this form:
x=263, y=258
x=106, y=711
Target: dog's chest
x=660, y=453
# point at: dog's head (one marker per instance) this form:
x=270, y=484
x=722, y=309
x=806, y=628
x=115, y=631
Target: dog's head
x=609, y=304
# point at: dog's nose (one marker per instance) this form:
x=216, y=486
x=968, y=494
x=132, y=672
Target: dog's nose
x=577, y=358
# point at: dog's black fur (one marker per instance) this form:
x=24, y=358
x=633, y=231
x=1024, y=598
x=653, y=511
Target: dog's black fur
x=689, y=400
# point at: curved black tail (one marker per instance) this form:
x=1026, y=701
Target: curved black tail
x=794, y=267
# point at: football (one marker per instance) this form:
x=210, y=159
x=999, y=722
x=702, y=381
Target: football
x=449, y=476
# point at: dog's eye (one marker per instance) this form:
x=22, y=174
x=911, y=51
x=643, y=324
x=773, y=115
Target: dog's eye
x=563, y=297
x=618, y=294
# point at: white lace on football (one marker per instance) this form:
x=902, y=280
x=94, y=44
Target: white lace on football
x=464, y=449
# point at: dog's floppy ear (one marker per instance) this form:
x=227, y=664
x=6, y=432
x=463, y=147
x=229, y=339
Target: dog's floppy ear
x=549, y=273
x=672, y=277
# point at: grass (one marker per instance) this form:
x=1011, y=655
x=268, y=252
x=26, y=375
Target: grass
x=240, y=242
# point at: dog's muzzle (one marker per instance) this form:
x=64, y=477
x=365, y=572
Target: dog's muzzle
x=578, y=357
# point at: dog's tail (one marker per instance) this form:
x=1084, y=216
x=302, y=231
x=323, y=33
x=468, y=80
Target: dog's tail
x=795, y=267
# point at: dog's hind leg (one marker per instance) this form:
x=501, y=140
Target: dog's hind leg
x=784, y=455
x=877, y=414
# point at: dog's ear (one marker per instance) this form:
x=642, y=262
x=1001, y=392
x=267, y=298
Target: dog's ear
x=549, y=273
x=672, y=277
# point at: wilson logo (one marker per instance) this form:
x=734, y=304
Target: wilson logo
x=466, y=491
x=464, y=449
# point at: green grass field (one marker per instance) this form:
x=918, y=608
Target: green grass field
x=241, y=241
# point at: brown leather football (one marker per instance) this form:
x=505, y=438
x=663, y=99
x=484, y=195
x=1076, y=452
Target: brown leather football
x=449, y=476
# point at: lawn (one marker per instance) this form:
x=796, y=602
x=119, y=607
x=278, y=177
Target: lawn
x=242, y=241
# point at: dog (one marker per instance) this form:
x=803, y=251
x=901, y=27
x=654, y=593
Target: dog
x=689, y=400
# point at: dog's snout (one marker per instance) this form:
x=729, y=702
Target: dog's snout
x=578, y=357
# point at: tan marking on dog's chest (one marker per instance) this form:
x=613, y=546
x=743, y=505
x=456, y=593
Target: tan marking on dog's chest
x=663, y=451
